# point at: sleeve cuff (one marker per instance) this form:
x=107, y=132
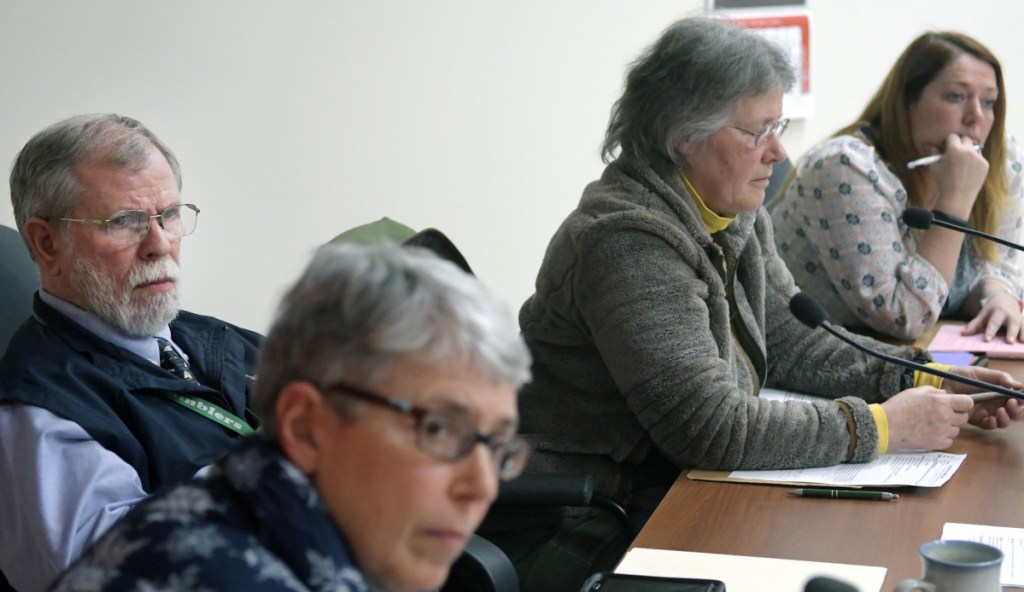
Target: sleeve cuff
x=882, y=425
x=923, y=379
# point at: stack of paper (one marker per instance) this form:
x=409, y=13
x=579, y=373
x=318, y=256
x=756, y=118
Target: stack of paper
x=893, y=469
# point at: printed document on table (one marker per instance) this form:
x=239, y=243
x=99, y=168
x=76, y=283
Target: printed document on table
x=898, y=468
x=1008, y=540
x=892, y=469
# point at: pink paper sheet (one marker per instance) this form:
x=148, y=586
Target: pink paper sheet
x=949, y=339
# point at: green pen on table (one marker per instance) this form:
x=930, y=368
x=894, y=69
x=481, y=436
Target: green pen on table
x=859, y=494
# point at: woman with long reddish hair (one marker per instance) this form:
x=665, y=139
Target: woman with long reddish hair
x=839, y=222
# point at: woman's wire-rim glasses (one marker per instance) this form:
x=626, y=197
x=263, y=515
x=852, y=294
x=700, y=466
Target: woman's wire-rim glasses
x=131, y=225
x=446, y=434
x=776, y=128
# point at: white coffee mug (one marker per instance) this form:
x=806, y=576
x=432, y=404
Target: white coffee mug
x=957, y=566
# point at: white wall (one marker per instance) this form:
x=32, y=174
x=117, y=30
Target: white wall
x=294, y=120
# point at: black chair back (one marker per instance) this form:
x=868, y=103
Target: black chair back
x=20, y=280
x=780, y=172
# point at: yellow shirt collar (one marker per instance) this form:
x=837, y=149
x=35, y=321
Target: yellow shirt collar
x=712, y=221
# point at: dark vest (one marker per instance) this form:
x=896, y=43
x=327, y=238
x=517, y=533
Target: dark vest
x=120, y=399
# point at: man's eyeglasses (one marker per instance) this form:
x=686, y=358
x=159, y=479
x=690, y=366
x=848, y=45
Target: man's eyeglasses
x=448, y=435
x=774, y=127
x=129, y=226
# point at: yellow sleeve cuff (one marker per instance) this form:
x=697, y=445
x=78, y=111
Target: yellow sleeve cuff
x=883, y=427
x=923, y=379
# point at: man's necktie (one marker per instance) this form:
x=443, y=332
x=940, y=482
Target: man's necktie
x=172, y=361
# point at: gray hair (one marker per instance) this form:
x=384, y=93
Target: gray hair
x=687, y=86
x=43, y=183
x=357, y=310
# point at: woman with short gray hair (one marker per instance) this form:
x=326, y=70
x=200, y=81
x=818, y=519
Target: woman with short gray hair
x=681, y=88
x=387, y=385
x=661, y=309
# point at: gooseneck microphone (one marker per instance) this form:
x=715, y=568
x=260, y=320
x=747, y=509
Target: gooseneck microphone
x=809, y=311
x=922, y=219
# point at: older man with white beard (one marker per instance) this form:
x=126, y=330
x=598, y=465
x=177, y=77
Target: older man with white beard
x=109, y=391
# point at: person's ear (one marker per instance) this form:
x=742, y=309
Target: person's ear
x=46, y=243
x=300, y=414
x=683, y=147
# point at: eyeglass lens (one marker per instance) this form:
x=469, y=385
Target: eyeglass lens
x=451, y=437
x=179, y=220
x=776, y=127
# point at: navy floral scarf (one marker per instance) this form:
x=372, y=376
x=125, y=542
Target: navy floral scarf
x=255, y=523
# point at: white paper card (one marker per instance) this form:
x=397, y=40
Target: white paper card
x=747, y=574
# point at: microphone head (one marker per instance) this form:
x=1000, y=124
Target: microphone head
x=919, y=218
x=807, y=309
x=823, y=584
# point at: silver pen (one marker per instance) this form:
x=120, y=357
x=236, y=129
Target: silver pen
x=927, y=160
x=986, y=396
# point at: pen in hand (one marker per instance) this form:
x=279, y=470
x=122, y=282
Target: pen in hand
x=845, y=494
x=927, y=160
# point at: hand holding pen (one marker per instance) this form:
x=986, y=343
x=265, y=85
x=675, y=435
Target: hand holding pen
x=958, y=176
x=934, y=158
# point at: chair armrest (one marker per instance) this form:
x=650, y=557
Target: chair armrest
x=547, y=490
x=482, y=567
x=560, y=490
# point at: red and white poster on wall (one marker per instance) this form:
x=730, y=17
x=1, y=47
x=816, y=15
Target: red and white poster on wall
x=789, y=25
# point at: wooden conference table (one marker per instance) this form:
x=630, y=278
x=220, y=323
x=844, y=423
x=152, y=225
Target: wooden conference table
x=765, y=521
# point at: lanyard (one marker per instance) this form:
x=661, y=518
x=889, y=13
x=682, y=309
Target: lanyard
x=213, y=413
x=205, y=408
